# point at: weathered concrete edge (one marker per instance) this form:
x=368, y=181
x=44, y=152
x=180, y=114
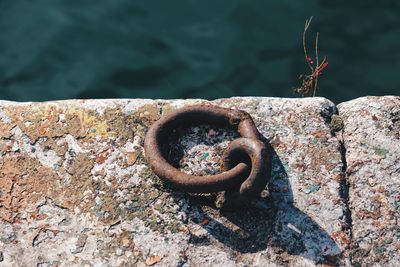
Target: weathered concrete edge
x=110, y=100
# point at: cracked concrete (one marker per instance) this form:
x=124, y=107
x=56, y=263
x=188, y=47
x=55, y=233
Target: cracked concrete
x=75, y=188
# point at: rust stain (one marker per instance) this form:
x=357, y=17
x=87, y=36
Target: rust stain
x=23, y=183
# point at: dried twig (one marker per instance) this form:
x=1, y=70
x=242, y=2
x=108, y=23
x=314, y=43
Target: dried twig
x=317, y=60
x=310, y=81
x=307, y=24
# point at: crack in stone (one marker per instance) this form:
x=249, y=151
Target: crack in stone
x=345, y=187
x=335, y=122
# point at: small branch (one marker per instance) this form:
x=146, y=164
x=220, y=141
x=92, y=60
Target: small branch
x=307, y=57
x=310, y=81
x=317, y=60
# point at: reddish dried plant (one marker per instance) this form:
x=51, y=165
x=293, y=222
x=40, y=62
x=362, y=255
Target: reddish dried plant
x=309, y=84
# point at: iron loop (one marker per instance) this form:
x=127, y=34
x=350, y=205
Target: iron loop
x=245, y=162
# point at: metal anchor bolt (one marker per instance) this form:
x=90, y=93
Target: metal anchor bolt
x=245, y=166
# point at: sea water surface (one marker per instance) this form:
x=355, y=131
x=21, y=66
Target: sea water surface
x=60, y=49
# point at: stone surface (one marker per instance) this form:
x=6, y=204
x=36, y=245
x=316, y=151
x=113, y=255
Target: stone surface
x=75, y=188
x=371, y=137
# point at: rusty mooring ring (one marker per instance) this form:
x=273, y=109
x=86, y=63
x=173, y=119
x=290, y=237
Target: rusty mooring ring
x=245, y=163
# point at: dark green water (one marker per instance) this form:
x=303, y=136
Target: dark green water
x=53, y=49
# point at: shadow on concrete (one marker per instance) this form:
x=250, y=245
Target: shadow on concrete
x=271, y=223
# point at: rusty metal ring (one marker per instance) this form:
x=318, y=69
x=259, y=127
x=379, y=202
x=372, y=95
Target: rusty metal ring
x=245, y=163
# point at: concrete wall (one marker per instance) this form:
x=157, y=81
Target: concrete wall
x=75, y=188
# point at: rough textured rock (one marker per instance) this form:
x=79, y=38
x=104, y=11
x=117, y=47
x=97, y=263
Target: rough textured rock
x=371, y=137
x=75, y=188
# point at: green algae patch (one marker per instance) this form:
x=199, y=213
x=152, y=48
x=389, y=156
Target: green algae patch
x=381, y=151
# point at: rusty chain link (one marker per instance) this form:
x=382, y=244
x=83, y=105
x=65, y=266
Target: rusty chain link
x=245, y=166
